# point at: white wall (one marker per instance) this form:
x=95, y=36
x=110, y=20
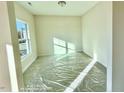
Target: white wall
x=66, y=28
x=118, y=46
x=4, y=38
x=97, y=36
x=8, y=36
x=97, y=31
x=27, y=17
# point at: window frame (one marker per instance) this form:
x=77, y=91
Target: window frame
x=28, y=38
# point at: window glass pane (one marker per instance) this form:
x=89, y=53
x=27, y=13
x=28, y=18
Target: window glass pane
x=20, y=26
x=23, y=36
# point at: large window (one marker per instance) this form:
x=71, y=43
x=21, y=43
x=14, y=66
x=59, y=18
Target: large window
x=23, y=38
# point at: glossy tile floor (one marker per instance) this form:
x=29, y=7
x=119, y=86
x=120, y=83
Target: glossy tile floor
x=56, y=73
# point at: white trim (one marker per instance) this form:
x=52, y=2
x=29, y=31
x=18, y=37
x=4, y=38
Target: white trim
x=12, y=68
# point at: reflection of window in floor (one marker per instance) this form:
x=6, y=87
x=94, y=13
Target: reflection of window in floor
x=63, y=47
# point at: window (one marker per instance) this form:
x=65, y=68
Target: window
x=63, y=47
x=23, y=38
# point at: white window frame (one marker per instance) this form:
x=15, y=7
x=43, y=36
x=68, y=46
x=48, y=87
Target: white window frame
x=29, y=39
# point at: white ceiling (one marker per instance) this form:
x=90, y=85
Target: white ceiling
x=72, y=8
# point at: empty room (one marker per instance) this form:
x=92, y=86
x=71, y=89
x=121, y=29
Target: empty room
x=60, y=46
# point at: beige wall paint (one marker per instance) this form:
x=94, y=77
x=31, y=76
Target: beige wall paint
x=118, y=46
x=8, y=36
x=97, y=36
x=66, y=28
x=27, y=17
x=4, y=38
x=97, y=31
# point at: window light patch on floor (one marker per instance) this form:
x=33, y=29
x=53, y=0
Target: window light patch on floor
x=63, y=47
